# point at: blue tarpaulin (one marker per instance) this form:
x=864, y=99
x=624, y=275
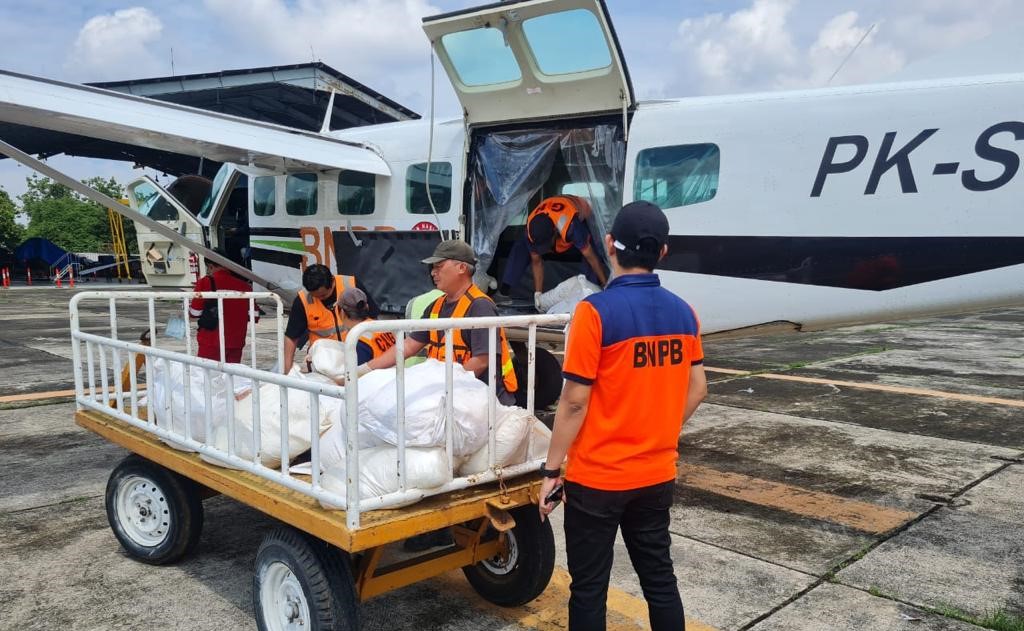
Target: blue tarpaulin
x=39, y=248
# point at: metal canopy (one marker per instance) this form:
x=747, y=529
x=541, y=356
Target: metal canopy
x=294, y=96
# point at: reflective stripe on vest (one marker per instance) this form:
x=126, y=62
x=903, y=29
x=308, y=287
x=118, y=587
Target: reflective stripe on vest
x=322, y=322
x=461, y=350
x=561, y=210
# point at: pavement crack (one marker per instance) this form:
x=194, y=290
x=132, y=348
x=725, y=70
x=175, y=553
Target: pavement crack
x=72, y=500
x=740, y=552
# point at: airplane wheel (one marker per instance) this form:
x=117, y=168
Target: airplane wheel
x=303, y=583
x=156, y=514
x=526, y=570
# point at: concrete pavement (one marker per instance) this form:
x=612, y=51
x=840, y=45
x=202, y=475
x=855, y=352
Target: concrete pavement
x=801, y=504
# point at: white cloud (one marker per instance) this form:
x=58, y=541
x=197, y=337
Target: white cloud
x=377, y=42
x=779, y=44
x=737, y=49
x=116, y=45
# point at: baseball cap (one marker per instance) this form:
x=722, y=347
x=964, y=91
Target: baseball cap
x=452, y=249
x=638, y=221
x=353, y=300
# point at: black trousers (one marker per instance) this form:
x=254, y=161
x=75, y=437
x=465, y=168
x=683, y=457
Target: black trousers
x=592, y=519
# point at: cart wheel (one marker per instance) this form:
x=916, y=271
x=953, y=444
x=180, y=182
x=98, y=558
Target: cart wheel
x=526, y=572
x=303, y=583
x=155, y=514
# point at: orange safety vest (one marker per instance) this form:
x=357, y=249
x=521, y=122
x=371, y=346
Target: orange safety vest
x=462, y=350
x=561, y=210
x=321, y=321
x=378, y=341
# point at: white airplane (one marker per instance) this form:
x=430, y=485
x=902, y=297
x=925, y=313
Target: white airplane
x=802, y=209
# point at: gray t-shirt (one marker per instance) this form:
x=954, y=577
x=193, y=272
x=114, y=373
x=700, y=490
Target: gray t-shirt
x=479, y=308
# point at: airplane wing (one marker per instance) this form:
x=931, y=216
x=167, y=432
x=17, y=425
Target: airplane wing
x=118, y=117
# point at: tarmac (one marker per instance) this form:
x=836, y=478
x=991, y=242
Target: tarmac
x=862, y=478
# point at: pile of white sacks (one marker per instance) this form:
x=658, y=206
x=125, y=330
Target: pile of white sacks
x=518, y=435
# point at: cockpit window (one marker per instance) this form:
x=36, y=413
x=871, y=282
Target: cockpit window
x=151, y=204
x=557, y=54
x=481, y=57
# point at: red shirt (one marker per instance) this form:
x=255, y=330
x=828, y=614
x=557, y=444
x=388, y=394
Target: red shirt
x=236, y=318
x=634, y=343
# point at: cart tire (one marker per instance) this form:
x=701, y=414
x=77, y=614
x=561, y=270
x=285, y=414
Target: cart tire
x=301, y=582
x=531, y=560
x=547, y=385
x=156, y=514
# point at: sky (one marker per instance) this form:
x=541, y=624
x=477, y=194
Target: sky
x=672, y=48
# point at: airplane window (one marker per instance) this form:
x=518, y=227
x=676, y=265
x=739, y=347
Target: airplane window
x=588, y=190
x=416, y=200
x=558, y=54
x=480, y=57
x=151, y=204
x=677, y=176
x=264, y=195
x=300, y=194
x=356, y=193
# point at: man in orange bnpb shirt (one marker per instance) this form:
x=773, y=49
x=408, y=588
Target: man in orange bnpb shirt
x=634, y=373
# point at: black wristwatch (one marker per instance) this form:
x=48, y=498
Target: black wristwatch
x=550, y=473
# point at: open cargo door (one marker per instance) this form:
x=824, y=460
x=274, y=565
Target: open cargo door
x=540, y=59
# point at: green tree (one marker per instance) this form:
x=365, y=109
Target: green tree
x=70, y=220
x=11, y=233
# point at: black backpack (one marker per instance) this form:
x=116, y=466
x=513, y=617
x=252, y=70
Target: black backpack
x=208, y=318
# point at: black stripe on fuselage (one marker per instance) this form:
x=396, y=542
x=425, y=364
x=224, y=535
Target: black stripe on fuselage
x=274, y=232
x=285, y=259
x=868, y=263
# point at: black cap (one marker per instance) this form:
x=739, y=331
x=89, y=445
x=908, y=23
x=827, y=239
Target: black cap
x=638, y=221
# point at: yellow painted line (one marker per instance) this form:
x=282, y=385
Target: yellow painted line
x=876, y=386
x=862, y=516
x=550, y=610
x=52, y=394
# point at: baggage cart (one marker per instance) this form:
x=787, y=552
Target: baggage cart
x=313, y=570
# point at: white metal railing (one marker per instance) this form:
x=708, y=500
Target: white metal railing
x=100, y=399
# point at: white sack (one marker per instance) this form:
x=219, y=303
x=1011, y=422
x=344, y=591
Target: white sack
x=564, y=297
x=300, y=427
x=425, y=407
x=172, y=394
x=327, y=357
x=512, y=428
x=425, y=468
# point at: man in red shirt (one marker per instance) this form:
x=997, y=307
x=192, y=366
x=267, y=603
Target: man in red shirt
x=236, y=314
x=634, y=373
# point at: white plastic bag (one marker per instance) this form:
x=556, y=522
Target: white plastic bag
x=425, y=407
x=512, y=427
x=167, y=397
x=564, y=297
x=327, y=357
x=425, y=468
x=300, y=424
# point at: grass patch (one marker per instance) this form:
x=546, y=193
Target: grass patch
x=999, y=620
